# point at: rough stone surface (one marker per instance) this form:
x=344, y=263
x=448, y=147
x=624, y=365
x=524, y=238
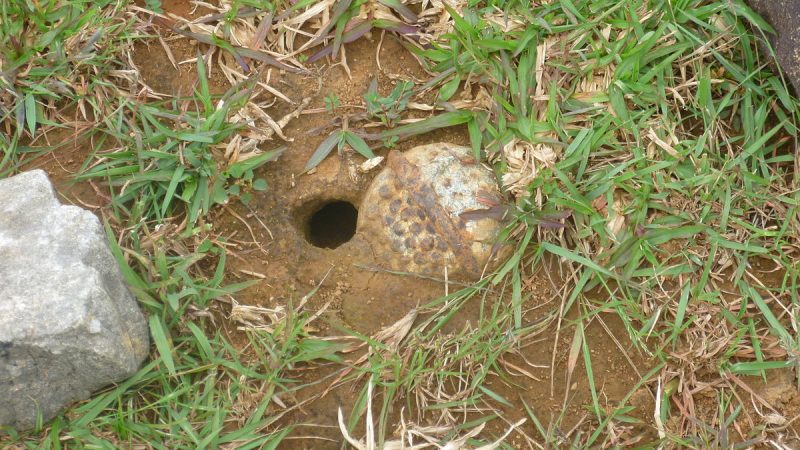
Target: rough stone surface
x=783, y=15
x=68, y=324
x=432, y=206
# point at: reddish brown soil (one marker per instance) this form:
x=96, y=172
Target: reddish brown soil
x=366, y=301
x=363, y=300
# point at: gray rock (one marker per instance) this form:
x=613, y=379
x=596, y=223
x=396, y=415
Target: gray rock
x=68, y=324
x=783, y=15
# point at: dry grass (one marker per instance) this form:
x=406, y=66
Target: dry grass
x=651, y=150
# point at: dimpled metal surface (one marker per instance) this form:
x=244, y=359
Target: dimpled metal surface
x=413, y=212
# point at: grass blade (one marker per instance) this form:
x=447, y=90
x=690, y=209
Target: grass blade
x=162, y=343
x=323, y=150
x=444, y=120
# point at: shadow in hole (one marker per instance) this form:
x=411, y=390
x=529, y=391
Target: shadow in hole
x=332, y=225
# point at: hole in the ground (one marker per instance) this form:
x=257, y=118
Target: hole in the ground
x=332, y=224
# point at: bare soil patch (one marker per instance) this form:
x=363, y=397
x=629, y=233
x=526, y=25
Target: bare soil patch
x=268, y=239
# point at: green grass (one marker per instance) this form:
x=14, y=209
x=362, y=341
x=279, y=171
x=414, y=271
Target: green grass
x=170, y=156
x=666, y=172
x=687, y=73
x=197, y=390
x=429, y=361
x=56, y=54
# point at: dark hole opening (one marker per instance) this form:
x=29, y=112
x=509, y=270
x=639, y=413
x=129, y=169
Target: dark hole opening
x=332, y=225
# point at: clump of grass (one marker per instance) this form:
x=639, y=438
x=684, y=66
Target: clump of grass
x=53, y=55
x=173, y=155
x=665, y=138
x=352, y=19
x=648, y=148
x=438, y=374
x=388, y=109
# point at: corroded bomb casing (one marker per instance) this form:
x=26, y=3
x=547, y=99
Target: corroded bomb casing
x=433, y=206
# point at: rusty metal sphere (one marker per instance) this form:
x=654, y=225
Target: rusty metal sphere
x=433, y=206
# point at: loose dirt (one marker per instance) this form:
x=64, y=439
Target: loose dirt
x=364, y=300
x=268, y=239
